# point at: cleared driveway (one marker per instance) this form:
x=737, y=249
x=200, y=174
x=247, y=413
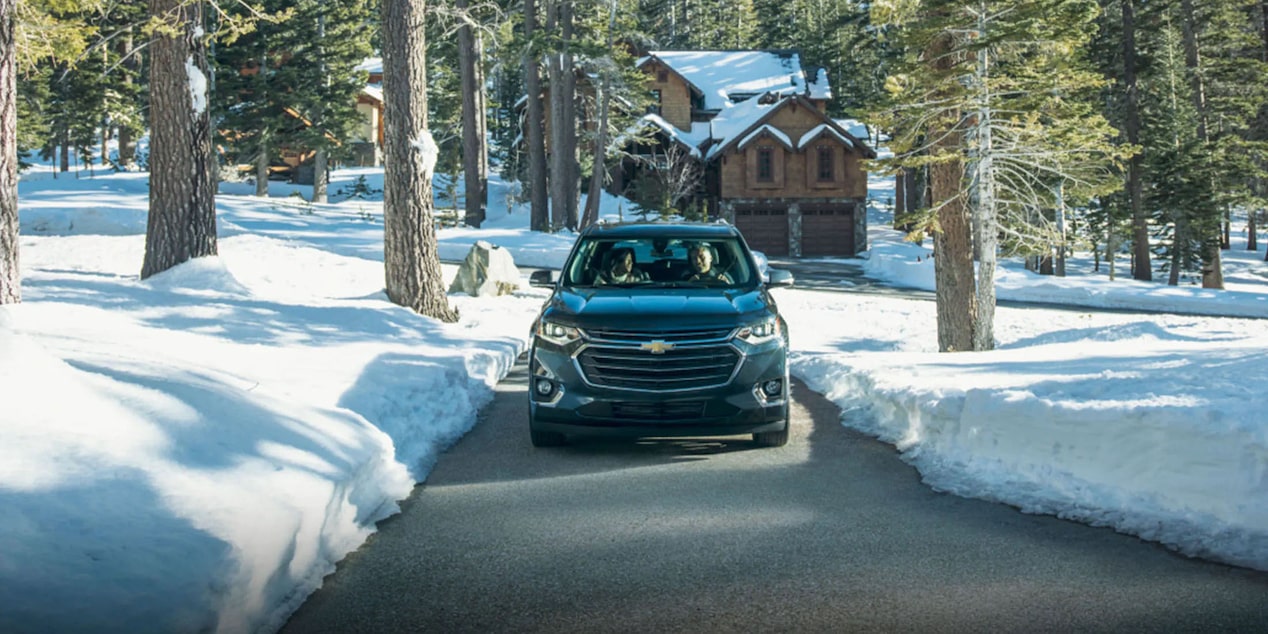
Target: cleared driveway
x=831, y=533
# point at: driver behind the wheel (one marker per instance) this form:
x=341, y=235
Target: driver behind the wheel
x=702, y=259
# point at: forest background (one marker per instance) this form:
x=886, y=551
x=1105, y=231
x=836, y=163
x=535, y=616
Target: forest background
x=1020, y=128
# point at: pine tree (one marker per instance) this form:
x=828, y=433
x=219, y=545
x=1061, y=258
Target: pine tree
x=535, y=122
x=182, y=216
x=10, y=282
x=250, y=98
x=474, y=127
x=993, y=98
x=411, y=261
x=328, y=39
x=21, y=50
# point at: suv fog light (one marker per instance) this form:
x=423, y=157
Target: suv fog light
x=544, y=387
x=773, y=388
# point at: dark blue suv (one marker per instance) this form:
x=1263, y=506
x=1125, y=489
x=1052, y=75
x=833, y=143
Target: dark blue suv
x=659, y=329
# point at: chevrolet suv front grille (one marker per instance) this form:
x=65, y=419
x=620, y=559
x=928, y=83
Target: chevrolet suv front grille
x=679, y=368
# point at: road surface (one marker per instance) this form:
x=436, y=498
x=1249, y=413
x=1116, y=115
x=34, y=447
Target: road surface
x=831, y=533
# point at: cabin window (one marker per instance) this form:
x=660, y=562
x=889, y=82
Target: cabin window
x=662, y=76
x=765, y=164
x=654, y=107
x=825, y=164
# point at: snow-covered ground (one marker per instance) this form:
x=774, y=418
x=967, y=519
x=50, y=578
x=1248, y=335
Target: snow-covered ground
x=193, y=452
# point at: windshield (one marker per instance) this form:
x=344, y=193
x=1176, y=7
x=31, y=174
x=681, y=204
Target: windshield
x=660, y=262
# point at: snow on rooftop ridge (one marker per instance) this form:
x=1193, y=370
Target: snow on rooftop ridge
x=371, y=65
x=766, y=127
x=819, y=129
x=734, y=120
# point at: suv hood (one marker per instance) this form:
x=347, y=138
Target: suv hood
x=694, y=306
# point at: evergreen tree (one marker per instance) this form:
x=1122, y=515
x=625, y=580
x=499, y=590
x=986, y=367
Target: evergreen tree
x=994, y=99
x=321, y=78
x=20, y=51
x=182, y=218
x=410, y=258
x=250, y=100
x=10, y=282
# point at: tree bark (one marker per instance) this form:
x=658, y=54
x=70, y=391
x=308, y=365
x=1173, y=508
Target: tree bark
x=1141, y=267
x=952, y=243
x=1212, y=269
x=1252, y=240
x=534, y=124
x=10, y=275
x=320, y=176
x=599, y=170
x=320, y=156
x=475, y=173
x=182, y=218
x=262, y=167
x=132, y=65
x=564, y=185
x=986, y=223
x=411, y=262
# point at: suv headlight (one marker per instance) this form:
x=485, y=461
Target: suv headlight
x=557, y=334
x=760, y=332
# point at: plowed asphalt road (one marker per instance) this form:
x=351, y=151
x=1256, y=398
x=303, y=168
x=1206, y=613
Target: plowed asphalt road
x=832, y=533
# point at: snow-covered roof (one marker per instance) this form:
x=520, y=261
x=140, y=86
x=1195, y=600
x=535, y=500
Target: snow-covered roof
x=728, y=77
x=374, y=91
x=371, y=65
x=734, y=121
x=855, y=127
x=768, y=129
x=691, y=140
x=823, y=128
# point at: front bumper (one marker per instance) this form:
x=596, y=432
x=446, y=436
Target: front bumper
x=739, y=406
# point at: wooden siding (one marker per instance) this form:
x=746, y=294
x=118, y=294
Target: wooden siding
x=675, y=94
x=798, y=169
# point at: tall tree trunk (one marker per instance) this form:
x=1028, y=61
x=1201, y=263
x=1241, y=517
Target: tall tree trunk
x=10, y=277
x=320, y=175
x=1212, y=270
x=63, y=151
x=410, y=258
x=1263, y=31
x=599, y=170
x=262, y=166
x=985, y=222
x=132, y=65
x=572, y=186
x=474, y=174
x=564, y=172
x=539, y=213
x=182, y=218
x=1252, y=240
x=1141, y=267
x=953, y=242
x=554, y=77
x=320, y=157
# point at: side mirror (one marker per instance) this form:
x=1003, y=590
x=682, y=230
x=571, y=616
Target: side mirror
x=544, y=279
x=780, y=277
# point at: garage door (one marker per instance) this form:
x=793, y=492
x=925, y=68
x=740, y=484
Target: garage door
x=765, y=229
x=827, y=230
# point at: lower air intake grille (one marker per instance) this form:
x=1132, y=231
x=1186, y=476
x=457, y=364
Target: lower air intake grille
x=680, y=410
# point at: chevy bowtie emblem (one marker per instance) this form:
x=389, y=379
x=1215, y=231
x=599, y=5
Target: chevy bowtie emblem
x=657, y=346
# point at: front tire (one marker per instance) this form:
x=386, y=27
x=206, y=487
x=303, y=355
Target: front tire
x=545, y=438
x=773, y=438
